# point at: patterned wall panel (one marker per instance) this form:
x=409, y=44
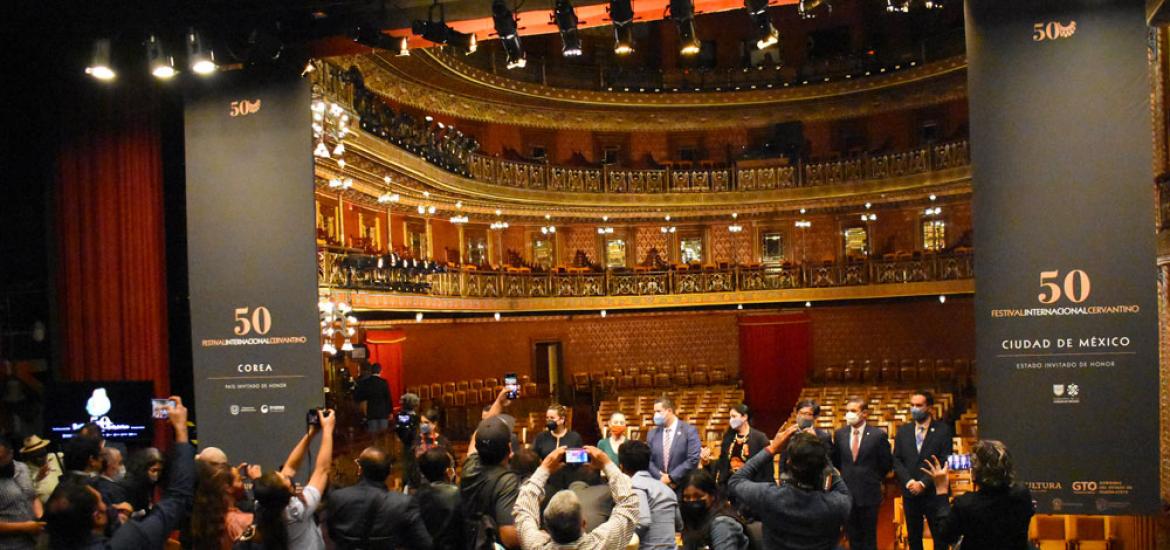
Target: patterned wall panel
x=647, y=238
x=731, y=247
x=915, y=330
x=580, y=238
x=653, y=340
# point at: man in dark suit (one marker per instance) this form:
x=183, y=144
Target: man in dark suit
x=862, y=454
x=915, y=443
x=674, y=445
x=367, y=515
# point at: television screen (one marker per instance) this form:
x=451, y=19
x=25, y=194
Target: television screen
x=121, y=409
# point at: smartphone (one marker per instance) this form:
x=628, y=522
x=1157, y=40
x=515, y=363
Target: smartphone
x=959, y=462
x=511, y=385
x=312, y=419
x=576, y=455
x=158, y=408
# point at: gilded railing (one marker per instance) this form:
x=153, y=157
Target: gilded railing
x=363, y=272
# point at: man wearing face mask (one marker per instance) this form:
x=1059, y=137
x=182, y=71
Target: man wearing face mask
x=675, y=447
x=862, y=454
x=914, y=446
x=807, y=412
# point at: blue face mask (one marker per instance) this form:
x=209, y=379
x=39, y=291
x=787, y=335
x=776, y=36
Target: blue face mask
x=425, y=428
x=736, y=423
x=804, y=423
x=919, y=415
x=659, y=419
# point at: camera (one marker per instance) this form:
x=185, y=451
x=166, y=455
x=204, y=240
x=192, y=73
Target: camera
x=406, y=419
x=311, y=418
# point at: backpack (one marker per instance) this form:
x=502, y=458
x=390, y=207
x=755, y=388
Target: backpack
x=482, y=531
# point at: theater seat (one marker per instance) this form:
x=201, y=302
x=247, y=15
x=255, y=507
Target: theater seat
x=424, y=392
x=699, y=379
x=718, y=377
x=662, y=380
x=681, y=379
x=1048, y=532
x=448, y=388
x=645, y=381
x=531, y=389
x=888, y=373
x=626, y=381
x=488, y=395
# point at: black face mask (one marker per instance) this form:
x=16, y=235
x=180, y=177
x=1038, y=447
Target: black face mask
x=552, y=426
x=693, y=511
x=9, y=471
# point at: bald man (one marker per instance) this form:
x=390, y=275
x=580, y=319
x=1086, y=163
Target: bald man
x=395, y=522
x=212, y=455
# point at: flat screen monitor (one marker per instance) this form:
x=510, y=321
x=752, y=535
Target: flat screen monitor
x=121, y=409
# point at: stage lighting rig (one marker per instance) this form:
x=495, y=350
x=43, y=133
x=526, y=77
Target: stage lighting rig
x=162, y=66
x=621, y=12
x=805, y=8
x=439, y=32
x=566, y=19
x=765, y=31
x=373, y=37
x=100, y=65
x=683, y=14
x=504, y=20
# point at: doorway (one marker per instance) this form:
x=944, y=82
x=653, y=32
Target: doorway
x=548, y=368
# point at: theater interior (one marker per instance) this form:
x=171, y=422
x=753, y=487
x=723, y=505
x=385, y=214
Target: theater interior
x=613, y=214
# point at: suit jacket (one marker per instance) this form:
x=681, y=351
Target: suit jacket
x=684, y=450
x=658, y=514
x=863, y=477
x=367, y=511
x=909, y=461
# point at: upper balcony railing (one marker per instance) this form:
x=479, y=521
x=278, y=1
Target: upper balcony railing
x=755, y=175
x=457, y=153
x=362, y=272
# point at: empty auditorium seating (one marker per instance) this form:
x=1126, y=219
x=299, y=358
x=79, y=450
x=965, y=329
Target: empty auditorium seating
x=895, y=372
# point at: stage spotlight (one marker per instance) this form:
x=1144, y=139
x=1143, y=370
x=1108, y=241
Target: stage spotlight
x=566, y=20
x=199, y=56
x=683, y=13
x=162, y=66
x=441, y=33
x=373, y=37
x=505, y=23
x=805, y=7
x=99, y=66
x=621, y=12
x=898, y=6
x=766, y=33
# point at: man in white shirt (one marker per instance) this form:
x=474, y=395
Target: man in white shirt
x=564, y=524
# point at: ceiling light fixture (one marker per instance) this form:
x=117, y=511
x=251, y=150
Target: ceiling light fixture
x=735, y=228
x=99, y=66
x=621, y=12
x=439, y=32
x=504, y=21
x=766, y=33
x=805, y=7
x=683, y=14
x=199, y=55
x=566, y=19
x=162, y=66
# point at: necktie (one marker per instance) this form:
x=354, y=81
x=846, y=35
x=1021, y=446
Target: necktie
x=667, y=439
x=920, y=434
x=856, y=443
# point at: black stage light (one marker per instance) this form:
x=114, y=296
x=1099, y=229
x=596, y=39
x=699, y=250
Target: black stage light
x=621, y=12
x=805, y=7
x=441, y=33
x=566, y=20
x=162, y=66
x=683, y=13
x=199, y=55
x=100, y=65
x=765, y=31
x=373, y=37
x=505, y=23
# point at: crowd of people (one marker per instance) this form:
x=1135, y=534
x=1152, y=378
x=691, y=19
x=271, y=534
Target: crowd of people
x=666, y=492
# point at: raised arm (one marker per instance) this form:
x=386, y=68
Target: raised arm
x=741, y=484
x=293, y=462
x=617, y=530
x=320, y=476
x=498, y=404
x=527, y=509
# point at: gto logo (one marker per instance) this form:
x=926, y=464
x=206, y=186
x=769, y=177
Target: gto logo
x=1084, y=486
x=244, y=108
x=1053, y=30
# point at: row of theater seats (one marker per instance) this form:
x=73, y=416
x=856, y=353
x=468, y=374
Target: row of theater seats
x=652, y=376
x=706, y=409
x=891, y=372
x=471, y=392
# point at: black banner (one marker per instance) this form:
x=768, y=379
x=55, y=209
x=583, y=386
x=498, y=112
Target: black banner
x=252, y=263
x=1066, y=311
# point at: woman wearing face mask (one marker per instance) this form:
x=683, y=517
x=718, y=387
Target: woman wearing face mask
x=708, y=522
x=740, y=443
x=428, y=434
x=617, y=436
x=143, y=472
x=557, y=433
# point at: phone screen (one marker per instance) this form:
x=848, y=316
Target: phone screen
x=959, y=462
x=511, y=385
x=158, y=407
x=576, y=455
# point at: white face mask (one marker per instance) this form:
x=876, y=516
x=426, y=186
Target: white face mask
x=852, y=418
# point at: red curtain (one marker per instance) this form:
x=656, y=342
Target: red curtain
x=386, y=349
x=775, y=353
x=111, y=254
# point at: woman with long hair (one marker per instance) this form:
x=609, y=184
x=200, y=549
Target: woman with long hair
x=996, y=515
x=268, y=532
x=144, y=469
x=215, y=521
x=708, y=521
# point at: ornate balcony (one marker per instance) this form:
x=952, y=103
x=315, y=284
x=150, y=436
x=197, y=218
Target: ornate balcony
x=366, y=274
